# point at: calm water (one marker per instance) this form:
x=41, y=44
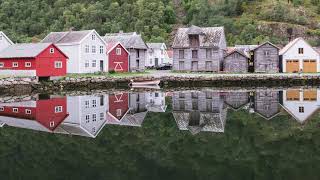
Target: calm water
x=194, y=134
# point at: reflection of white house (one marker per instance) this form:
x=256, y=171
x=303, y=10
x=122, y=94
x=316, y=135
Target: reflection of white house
x=298, y=55
x=87, y=115
x=4, y=41
x=301, y=104
x=156, y=54
x=156, y=102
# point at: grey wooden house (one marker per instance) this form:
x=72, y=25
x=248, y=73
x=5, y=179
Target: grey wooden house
x=134, y=43
x=265, y=58
x=198, y=111
x=236, y=61
x=199, y=49
x=236, y=99
x=266, y=103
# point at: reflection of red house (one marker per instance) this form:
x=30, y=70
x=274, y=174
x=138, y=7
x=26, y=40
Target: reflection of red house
x=49, y=113
x=118, y=107
x=118, y=57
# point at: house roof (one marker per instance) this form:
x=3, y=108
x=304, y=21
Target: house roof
x=155, y=45
x=195, y=30
x=129, y=40
x=241, y=52
x=4, y=35
x=264, y=44
x=27, y=50
x=210, y=37
x=66, y=37
x=112, y=45
x=293, y=42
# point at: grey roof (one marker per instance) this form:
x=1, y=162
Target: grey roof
x=129, y=40
x=211, y=36
x=24, y=50
x=194, y=30
x=155, y=45
x=66, y=37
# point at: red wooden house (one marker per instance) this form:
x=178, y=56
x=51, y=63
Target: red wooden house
x=117, y=57
x=42, y=115
x=118, y=107
x=33, y=59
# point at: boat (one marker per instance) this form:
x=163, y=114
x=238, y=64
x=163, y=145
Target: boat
x=144, y=83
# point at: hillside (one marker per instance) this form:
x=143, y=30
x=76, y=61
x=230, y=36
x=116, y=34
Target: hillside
x=245, y=21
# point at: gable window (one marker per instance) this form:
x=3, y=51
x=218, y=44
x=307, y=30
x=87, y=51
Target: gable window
x=266, y=53
x=94, y=63
x=28, y=111
x=58, y=109
x=93, y=49
x=101, y=116
x=93, y=37
x=87, y=118
x=194, y=40
x=15, y=110
x=27, y=64
x=94, y=117
x=194, y=53
x=101, y=49
x=86, y=64
x=1, y=108
x=137, y=53
x=181, y=54
x=58, y=64
x=235, y=55
x=208, y=53
x=86, y=48
x=15, y=64
x=1, y=64
x=119, y=113
x=51, y=50
x=94, y=103
x=301, y=109
x=300, y=50
x=118, y=51
x=51, y=124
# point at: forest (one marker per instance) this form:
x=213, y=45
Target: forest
x=245, y=21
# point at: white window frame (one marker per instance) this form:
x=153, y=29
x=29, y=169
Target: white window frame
x=1, y=64
x=118, y=51
x=101, y=49
x=94, y=103
x=28, y=111
x=58, y=64
x=1, y=109
x=15, y=110
x=119, y=112
x=87, y=49
x=93, y=37
x=51, y=50
x=87, y=118
x=94, y=63
x=87, y=64
x=58, y=109
x=51, y=124
x=101, y=116
x=27, y=64
x=93, y=49
x=87, y=104
x=94, y=117
x=15, y=64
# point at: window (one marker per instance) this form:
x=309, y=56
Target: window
x=28, y=111
x=300, y=50
x=86, y=64
x=27, y=64
x=94, y=103
x=235, y=55
x=137, y=53
x=119, y=113
x=93, y=37
x=93, y=129
x=208, y=53
x=15, y=64
x=101, y=49
x=86, y=48
x=181, y=54
x=93, y=49
x=194, y=53
x=181, y=65
x=87, y=118
x=267, y=53
x=94, y=63
x=51, y=50
x=15, y=110
x=51, y=124
x=58, y=64
x=118, y=51
x=1, y=108
x=86, y=104
x=301, y=109
x=94, y=117
x=101, y=116
x=58, y=109
x=1, y=64
x=194, y=40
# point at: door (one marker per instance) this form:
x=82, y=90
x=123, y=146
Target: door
x=194, y=66
x=101, y=66
x=208, y=66
x=137, y=64
x=181, y=65
x=292, y=66
x=310, y=95
x=293, y=95
x=156, y=62
x=309, y=66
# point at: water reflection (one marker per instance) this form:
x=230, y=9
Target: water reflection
x=192, y=110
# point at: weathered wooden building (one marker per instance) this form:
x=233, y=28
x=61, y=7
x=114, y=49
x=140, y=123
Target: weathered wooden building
x=198, y=111
x=266, y=103
x=266, y=58
x=199, y=49
x=134, y=44
x=236, y=61
x=236, y=99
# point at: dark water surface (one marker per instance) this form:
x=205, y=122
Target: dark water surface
x=193, y=134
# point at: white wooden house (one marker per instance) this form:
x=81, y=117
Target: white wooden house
x=156, y=102
x=299, y=56
x=4, y=41
x=156, y=54
x=301, y=104
x=86, y=50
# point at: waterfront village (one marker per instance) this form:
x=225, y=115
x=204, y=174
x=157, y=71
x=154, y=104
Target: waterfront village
x=194, y=49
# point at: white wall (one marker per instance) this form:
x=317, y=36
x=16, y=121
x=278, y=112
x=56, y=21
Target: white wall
x=73, y=53
x=156, y=53
x=15, y=73
x=292, y=53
